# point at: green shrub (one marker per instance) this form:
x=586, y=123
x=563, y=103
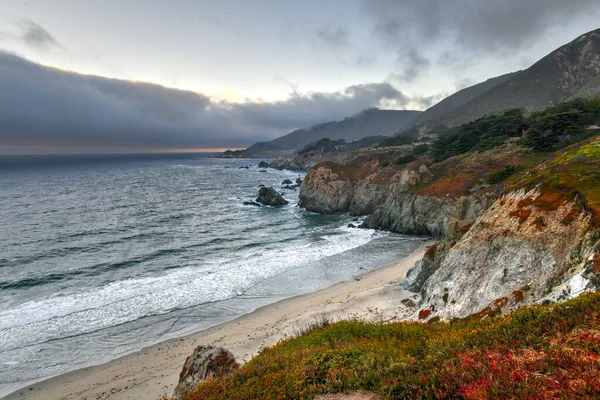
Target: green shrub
x=561, y=125
x=482, y=134
x=501, y=175
x=405, y=159
x=420, y=149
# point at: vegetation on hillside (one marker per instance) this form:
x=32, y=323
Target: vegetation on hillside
x=541, y=352
x=572, y=175
x=329, y=146
x=543, y=131
x=482, y=134
x=560, y=125
x=401, y=138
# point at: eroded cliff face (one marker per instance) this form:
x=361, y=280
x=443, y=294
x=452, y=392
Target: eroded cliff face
x=388, y=202
x=524, y=249
x=411, y=199
x=534, y=238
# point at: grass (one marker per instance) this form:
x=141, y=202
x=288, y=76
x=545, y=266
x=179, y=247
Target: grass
x=540, y=352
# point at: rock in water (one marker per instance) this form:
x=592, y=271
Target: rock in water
x=263, y=164
x=270, y=197
x=251, y=203
x=298, y=181
x=205, y=362
x=287, y=182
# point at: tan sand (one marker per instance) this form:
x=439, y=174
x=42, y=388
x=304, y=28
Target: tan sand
x=154, y=371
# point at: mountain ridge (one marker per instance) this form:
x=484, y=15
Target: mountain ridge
x=552, y=79
x=460, y=98
x=369, y=122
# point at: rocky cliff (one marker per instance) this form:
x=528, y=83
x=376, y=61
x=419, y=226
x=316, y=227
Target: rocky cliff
x=540, y=241
x=419, y=197
x=533, y=237
x=512, y=255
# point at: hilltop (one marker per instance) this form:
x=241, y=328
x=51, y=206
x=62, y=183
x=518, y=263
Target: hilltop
x=554, y=78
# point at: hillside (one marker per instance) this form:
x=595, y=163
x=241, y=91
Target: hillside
x=517, y=216
x=555, y=78
x=542, y=352
x=371, y=122
x=459, y=98
x=589, y=91
x=514, y=200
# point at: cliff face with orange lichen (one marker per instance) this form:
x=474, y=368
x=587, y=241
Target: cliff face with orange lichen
x=532, y=238
x=518, y=252
x=421, y=197
x=539, y=242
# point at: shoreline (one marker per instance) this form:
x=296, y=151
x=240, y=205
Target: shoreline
x=149, y=373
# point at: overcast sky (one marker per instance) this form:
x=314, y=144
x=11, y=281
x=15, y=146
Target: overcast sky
x=249, y=71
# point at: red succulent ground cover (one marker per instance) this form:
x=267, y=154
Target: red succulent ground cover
x=541, y=352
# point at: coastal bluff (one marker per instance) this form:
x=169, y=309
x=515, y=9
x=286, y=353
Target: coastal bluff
x=502, y=244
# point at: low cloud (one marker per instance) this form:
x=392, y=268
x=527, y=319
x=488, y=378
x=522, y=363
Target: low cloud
x=36, y=36
x=32, y=35
x=334, y=37
x=412, y=64
x=41, y=105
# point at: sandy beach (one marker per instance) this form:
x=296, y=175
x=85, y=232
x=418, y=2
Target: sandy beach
x=153, y=371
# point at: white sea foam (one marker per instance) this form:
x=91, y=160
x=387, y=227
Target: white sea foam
x=128, y=300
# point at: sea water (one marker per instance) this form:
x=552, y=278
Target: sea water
x=102, y=256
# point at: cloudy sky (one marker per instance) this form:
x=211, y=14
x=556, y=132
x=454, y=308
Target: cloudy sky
x=247, y=71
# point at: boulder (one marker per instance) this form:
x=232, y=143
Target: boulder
x=263, y=170
x=287, y=182
x=263, y=164
x=205, y=362
x=244, y=167
x=251, y=203
x=298, y=181
x=270, y=197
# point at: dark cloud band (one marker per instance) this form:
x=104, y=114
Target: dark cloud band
x=45, y=105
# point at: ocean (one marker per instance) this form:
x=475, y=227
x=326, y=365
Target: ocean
x=102, y=256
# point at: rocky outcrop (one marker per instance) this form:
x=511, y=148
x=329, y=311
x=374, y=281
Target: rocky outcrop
x=428, y=215
x=533, y=238
x=325, y=191
x=284, y=163
x=526, y=248
x=205, y=362
x=539, y=242
x=389, y=198
x=263, y=164
x=270, y=197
